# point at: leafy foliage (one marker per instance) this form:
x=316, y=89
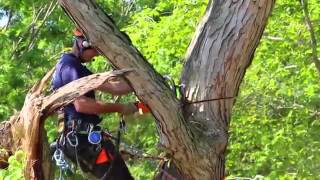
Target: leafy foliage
x=165, y=33
x=15, y=169
x=275, y=120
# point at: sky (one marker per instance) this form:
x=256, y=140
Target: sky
x=3, y=20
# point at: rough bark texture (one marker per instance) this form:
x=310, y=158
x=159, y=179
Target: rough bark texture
x=222, y=50
x=26, y=130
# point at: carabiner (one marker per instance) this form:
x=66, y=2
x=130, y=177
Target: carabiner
x=74, y=136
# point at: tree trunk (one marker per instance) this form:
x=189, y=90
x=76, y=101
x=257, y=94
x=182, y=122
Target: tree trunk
x=221, y=50
x=195, y=131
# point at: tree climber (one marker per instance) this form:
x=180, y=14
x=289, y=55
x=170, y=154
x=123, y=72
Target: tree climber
x=92, y=152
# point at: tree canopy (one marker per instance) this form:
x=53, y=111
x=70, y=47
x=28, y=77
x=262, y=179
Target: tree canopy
x=275, y=122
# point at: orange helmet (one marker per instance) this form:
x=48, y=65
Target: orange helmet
x=77, y=33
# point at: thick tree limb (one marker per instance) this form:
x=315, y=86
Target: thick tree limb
x=148, y=85
x=69, y=92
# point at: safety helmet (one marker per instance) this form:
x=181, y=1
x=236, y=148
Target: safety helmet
x=79, y=35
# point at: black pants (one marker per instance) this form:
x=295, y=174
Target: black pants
x=86, y=154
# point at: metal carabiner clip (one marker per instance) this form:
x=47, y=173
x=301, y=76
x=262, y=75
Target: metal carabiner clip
x=58, y=156
x=75, y=139
x=122, y=125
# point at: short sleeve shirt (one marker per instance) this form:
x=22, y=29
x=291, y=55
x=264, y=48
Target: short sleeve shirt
x=69, y=69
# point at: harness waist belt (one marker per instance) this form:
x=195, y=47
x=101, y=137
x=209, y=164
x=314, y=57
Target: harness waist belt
x=80, y=126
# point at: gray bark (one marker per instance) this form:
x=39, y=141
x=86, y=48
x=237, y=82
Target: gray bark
x=221, y=51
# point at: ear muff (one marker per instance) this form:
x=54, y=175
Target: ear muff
x=86, y=44
x=82, y=44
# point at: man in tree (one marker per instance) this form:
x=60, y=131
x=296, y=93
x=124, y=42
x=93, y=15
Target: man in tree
x=81, y=139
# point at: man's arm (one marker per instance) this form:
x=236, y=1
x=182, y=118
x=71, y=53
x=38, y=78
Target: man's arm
x=116, y=86
x=90, y=106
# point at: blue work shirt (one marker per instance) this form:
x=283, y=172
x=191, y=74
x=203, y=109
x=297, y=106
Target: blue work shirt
x=69, y=69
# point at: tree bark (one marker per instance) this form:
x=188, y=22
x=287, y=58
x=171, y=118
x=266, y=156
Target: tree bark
x=221, y=50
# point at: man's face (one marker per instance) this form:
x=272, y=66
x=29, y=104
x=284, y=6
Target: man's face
x=89, y=54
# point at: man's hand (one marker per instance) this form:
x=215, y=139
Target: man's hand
x=142, y=107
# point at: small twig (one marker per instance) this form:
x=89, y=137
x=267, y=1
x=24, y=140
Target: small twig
x=315, y=58
x=9, y=14
x=274, y=38
x=32, y=31
x=35, y=34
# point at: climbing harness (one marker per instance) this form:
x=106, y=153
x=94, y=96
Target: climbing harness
x=95, y=136
x=72, y=139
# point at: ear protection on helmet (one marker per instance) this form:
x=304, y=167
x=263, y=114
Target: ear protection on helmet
x=81, y=42
x=86, y=44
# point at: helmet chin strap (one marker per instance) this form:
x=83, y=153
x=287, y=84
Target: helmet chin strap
x=80, y=50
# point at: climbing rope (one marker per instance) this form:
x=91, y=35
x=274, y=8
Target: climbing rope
x=208, y=100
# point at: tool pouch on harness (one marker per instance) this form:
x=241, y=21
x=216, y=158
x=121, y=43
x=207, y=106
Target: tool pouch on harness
x=101, y=159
